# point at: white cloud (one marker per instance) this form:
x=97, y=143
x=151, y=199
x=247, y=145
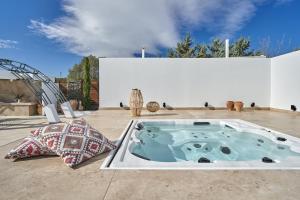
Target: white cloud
x=8, y=44
x=120, y=28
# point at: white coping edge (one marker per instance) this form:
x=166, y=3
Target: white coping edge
x=130, y=126
x=111, y=154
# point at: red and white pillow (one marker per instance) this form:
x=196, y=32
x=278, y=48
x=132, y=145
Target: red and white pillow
x=75, y=142
x=30, y=146
x=78, y=143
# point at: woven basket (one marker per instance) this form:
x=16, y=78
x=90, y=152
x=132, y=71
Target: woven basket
x=152, y=106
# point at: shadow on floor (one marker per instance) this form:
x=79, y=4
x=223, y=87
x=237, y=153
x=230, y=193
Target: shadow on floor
x=21, y=127
x=35, y=158
x=92, y=160
x=19, y=123
x=18, y=126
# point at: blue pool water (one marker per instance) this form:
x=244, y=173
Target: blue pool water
x=204, y=142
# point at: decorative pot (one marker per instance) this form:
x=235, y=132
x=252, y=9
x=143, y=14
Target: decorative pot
x=230, y=105
x=136, y=102
x=74, y=104
x=238, y=105
x=152, y=106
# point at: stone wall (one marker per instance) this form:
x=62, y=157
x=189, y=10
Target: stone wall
x=18, y=109
x=9, y=89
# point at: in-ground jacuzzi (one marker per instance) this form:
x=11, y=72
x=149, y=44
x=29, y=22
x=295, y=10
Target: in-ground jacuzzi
x=203, y=144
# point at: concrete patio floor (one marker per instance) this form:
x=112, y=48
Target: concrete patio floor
x=49, y=178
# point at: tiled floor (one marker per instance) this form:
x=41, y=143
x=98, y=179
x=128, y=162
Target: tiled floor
x=49, y=178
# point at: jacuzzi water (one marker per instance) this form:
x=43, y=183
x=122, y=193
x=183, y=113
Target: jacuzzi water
x=170, y=142
x=203, y=144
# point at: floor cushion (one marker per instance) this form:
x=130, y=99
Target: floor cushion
x=29, y=147
x=77, y=142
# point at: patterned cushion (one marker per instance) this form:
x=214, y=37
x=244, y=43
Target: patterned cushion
x=29, y=147
x=77, y=142
x=33, y=144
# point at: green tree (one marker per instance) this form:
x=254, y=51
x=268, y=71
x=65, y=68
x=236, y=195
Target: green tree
x=172, y=53
x=184, y=49
x=86, y=84
x=217, y=48
x=201, y=51
x=76, y=72
x=240, y=48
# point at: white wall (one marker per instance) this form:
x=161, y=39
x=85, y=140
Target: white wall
x=285, y=81
x=186, y=82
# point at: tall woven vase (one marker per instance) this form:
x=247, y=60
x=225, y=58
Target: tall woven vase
x=136, y=102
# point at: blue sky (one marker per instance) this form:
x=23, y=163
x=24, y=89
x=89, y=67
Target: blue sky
x=32, y=48
x=53, y=35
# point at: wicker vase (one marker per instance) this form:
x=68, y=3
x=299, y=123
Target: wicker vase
x=230, y=105
x=238, y=105
x=136, y=102
x=152, y=106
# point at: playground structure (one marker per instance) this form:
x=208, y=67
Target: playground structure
x=29, y=75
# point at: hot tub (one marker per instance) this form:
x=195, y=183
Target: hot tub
x=203, y=144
